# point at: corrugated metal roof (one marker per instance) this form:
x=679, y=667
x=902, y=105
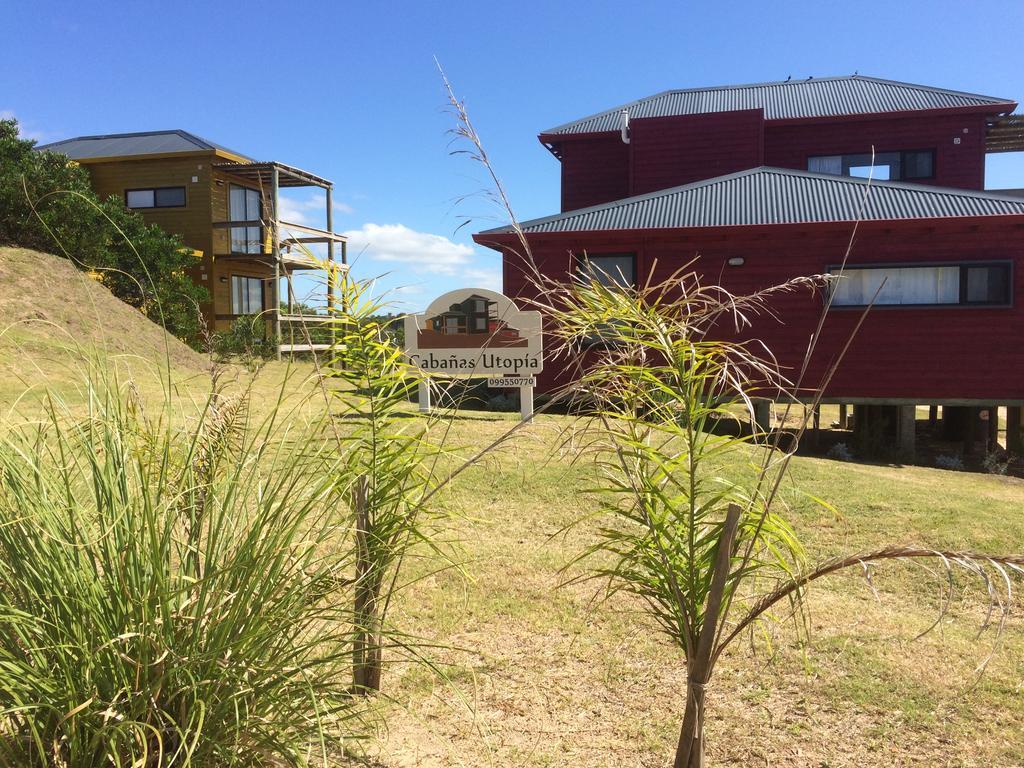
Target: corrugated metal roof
x=776, y=196
x=131, y=144
x=814, y=97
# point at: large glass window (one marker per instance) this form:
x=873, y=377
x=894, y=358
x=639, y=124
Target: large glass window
x=609, y=268
x=246, y=295
x=923, y=285
x=885, y=166
x=245, y=205
x=159, y=197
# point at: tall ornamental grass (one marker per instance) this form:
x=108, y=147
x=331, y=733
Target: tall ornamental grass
x=171, y=588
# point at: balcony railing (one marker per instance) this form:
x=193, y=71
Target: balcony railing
x=285, y=244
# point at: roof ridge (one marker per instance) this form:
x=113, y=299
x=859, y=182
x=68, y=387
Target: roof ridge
x=906, y=86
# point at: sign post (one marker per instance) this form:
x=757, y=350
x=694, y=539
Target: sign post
x=477, y=333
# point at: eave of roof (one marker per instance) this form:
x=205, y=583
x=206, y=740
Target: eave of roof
x=770, y=196
x=789, y=100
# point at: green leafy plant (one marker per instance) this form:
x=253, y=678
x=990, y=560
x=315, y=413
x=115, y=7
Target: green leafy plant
x=707, y=556
x=248, y=339
x=172, y=588
x=392, y=466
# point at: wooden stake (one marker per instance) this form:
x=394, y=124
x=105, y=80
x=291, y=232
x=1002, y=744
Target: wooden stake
x=690, y=750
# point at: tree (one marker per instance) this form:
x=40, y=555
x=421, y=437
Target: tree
x=47, y=203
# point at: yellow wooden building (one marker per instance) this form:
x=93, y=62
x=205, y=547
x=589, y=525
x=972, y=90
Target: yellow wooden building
x=224, y=206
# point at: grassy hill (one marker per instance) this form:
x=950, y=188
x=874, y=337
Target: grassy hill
x=53, y=315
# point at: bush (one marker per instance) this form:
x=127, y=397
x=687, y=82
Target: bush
x=247, y=338
x=996, y=462
x=140, y=263
x=171, y=597
x=949, y=462
x=839, y=452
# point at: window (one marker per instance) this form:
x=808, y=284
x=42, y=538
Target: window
x=609, y=268
x=887, y=166
x=924, y=285
x=160, y=197
x=246, y=295
x=245, y=205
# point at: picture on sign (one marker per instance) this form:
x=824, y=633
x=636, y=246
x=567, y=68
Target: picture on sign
x=472, y=323
x=475, y=332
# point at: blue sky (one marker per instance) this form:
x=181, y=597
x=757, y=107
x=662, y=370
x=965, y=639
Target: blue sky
x=349, y=90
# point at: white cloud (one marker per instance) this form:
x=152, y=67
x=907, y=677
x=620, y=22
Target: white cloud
x=484, y=278
x=421, y=251
x=309, y=211
x=24, y=131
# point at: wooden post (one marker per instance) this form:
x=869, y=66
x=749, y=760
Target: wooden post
x=971, y=429
x=907, y=434
x=690, y=748
x=816, y=424
x=844, y=417
x=762, y=416
x=366, y=648
x=933, y=416
x=992, y=443
x=424, y=393
x=1014, y=435
x=275, y=193
x=330, y=260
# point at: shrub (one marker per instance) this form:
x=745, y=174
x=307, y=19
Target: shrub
x=47, y=203
x=949, y=462
x=247, y=338
x=996, y=462
x=166, y=596
x=839, y=452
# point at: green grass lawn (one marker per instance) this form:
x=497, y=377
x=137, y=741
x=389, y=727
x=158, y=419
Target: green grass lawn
x=554, y=676
x=541, y=674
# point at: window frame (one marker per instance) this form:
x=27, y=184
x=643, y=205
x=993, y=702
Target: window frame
x=963, y=266
x=154, y=206
x=903, y=163
x=231, y=231
x=581, y=259
x=263, y=296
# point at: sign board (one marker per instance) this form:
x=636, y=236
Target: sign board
x=474, y=332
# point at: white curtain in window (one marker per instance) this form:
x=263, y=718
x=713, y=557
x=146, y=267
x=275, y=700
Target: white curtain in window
x=832, y=164
x=237, y=213
x=929, y=285
x=902, y=285
x=253, y=213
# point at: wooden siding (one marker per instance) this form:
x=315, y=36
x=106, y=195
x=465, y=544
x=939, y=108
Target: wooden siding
x=192, y=222
x=956, y=164
x=669, y=151
x=225, y=268
x=594, y=171
x=666, y=152
x=899, y=353
x=205, y=202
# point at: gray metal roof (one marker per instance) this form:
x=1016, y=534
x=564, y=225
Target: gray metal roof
x=776, y=196
x=814, y=97
x=131, y=144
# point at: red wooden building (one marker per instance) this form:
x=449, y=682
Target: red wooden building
x=764, y=183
